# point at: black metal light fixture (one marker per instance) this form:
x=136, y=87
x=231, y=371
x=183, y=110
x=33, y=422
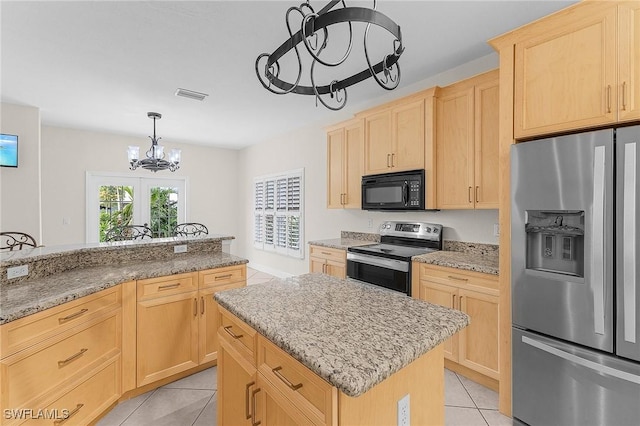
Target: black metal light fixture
x=314, y=27
x=155, y=155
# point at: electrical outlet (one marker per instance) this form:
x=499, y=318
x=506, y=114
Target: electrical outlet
x=404, y=414
x=496, y=229
x=182, y=248
x=17, y=271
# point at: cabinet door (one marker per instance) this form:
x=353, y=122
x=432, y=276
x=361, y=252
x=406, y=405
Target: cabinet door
x=565, y=76
x=274, y=409
x=336, y=269
x=208, y=322
x=478, y=348
x=335, y=169
x=442, y=295
x=316, y=264
x=455, y=148
x=236, y=389
x=167, y=336
x=629, y=61
x=377, y=144
x=487, y=101
x=353, y=164
x=408, y=136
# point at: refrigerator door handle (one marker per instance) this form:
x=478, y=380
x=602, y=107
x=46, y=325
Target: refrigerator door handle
x=597, y=240
x=629, y=244
x=603, y=369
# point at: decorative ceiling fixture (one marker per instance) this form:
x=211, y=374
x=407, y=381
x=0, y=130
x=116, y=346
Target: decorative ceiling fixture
x=155, y=155
x=315, y=28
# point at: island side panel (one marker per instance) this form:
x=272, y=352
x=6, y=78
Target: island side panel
x=423, y=380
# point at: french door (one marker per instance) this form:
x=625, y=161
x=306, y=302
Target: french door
x=116, y=199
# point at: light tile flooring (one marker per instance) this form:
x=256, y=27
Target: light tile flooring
x=192, y=401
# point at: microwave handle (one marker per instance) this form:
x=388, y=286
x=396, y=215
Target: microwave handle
x=405, y=193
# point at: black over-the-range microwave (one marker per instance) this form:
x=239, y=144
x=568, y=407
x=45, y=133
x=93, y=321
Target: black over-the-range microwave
x=394, y=191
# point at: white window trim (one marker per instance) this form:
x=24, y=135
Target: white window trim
x=260, y=242
x=141, y=186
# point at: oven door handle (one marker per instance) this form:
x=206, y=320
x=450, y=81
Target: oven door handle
x=396, y=265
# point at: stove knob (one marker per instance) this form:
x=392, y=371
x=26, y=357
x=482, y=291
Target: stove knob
x=427, y=230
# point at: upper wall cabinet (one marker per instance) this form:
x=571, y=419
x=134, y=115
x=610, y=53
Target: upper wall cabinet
x=467, y=143
x=395, y=138
x=345, y=146
x=578, y=68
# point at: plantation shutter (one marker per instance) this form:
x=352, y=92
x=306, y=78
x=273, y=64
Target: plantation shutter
x=278, y=213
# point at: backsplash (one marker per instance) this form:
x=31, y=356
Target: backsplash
x=471, y=248
x=361, y=236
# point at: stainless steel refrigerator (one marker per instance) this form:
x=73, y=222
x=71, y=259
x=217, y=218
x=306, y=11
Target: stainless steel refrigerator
x=575, y=294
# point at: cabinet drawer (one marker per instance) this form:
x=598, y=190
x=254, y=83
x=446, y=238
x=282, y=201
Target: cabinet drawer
x=459, y=278
x=164, y=286
x=44, y=367
x=328, y=253
x=237, y=333
x=19, y=334
x=87, y=400
x=222, y=276
x=305, y=389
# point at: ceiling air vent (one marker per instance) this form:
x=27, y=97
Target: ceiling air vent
x=191, y=94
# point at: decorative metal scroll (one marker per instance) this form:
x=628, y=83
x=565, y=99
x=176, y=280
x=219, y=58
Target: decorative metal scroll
x=129, y=232
x=190, y=229
x=315, y=27
x=16, y=241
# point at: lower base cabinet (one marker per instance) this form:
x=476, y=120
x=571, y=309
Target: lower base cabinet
x=259, y=383
x=328, y=261
x=476, y=294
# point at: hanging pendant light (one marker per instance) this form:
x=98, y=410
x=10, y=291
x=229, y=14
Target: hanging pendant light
x=155, y=155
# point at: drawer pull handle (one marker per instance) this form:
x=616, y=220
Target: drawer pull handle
x=71, y=414
x=168, y=286
x=276, y=371
x=457, y=278
x=72, y=357
x=253, y=415
x=234, y=335
x=326, y=253
x=222, y=277
x=608, y=99
x=72, y=316
x=202, y=305
x=246, y=399
x=624, y=90
x=477, y=197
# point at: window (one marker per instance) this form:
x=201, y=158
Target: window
x=278, y=213
x=115, y=199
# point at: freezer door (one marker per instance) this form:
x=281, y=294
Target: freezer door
x=627, y=226
x=558, y=177
x=559, y=384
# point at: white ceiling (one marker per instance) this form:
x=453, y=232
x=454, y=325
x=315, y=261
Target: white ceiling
x=102, y=65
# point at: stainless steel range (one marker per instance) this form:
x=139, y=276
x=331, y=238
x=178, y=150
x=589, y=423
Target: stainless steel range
x=388, y=264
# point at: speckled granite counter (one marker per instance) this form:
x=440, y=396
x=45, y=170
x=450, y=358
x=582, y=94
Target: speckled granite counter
x=339, y=243
x=351, y=334
x=467, y=256
x=35, y=295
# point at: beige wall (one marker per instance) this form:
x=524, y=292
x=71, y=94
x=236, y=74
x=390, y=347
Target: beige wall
x=306, y=148
x=20, y=187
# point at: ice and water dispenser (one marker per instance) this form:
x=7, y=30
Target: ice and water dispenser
x=555, y=241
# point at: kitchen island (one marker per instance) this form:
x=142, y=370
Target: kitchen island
x=356, y=350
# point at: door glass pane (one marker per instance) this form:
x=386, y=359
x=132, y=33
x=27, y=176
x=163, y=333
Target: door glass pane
x=116, y=207
x=163, y=211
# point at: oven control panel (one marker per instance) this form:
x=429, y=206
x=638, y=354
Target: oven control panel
x=420, y=230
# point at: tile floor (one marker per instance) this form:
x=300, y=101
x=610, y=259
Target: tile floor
x=192, y=401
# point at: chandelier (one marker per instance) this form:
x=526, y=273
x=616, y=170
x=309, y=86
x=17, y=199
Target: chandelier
x=314, y=33
x=155, y=155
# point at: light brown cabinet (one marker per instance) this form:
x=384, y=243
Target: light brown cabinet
x=395, y=138
x=578, y=69
x=476, y=294
x=467, y=143
x=345, y=155
x=52, y=359
x=180, y=309
x=328, y=261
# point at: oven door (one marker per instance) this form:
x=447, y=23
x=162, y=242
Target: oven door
x=389, y=273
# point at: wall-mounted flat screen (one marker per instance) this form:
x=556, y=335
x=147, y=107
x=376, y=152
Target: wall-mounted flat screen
x=8, y=150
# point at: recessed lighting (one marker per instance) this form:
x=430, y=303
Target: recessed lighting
x=191, y=94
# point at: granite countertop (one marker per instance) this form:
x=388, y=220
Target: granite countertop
x=34, y=295
x=486, y=263
x=340, y=243
x=353, y=335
